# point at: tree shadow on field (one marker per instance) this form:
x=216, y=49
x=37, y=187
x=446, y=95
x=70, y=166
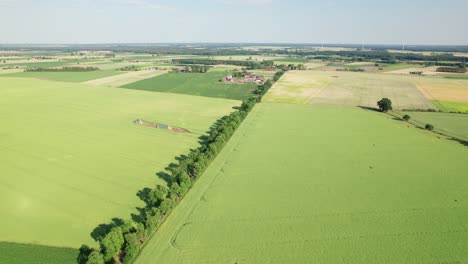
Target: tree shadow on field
x=164, y=176
x=370, y=108
x=102, y=230
x=144, y=195
x=140, y=217
x=461, y=141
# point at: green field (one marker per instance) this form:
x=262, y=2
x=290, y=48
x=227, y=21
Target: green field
x=72, y=157
x=452, y=106
x=201, y=84
x=455, y=125
x=65, y=76
x=32, y=254
x=457, y=76
x=318, y=184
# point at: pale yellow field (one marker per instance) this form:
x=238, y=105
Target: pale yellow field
x=443, y=89
x=347, y=89
x=22, y=60
x=297, y=87
x=126, y=78
x=314, y=65
x=425, y=70
x=10, y=71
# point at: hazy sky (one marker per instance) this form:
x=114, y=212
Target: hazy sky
x=339, y=21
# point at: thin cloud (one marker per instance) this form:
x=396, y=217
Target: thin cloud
x=143, y=4
x=247, y=2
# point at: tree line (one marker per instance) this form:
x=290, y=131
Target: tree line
x=122, y=240
x=250, y=65
x=63, y=69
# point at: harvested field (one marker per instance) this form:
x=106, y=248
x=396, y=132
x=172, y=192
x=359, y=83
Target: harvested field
x=297, y=87
x=125, y=78
x=347, y=89
x=444, y=89
x=329, y=187
x=424, y=70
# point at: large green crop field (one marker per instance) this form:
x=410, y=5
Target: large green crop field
x=201, y=84
x=451, y=124
x=66, y=76
x=72, y=157
x=12, y=253
x=320, y=184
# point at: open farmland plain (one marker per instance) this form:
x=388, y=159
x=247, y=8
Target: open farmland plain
x=307, y=183
x=65, y=76
x=125, y=78
x=72, y=157
x=448, y=94
x=200, y=84
x=347, y=89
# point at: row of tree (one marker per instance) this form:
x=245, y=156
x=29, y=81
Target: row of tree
x=122, y=240
x=63, y=69
x=451, y=69
x=250, y=65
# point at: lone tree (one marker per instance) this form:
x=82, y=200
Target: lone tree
x=406, y=118
x=429, y=127
x=385, y=104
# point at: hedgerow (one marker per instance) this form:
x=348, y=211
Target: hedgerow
x=122, y=240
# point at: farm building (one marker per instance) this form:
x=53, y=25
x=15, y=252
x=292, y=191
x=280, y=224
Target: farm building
x=246, y=78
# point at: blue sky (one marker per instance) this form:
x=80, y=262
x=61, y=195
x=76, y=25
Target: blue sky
x=279, y=21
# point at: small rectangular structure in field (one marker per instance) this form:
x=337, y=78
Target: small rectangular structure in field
x=125, y=78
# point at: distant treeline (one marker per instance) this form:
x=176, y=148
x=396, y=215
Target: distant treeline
x=122, y=240
x=63, y=69
x=452, y=69
x=251, y=65
x=193, y=69
x=376, y=55
x=221, y=48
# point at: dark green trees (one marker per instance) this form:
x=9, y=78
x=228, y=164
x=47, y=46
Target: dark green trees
x=406, y=118
x=112, y=243
x=95, y=258
x=385, y=104
x=429, y=127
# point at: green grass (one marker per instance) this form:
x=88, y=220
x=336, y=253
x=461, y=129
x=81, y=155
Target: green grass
x=287, y=61
x=43, y=64
x=33, y=254
x=316, y=184
x=72, y=157
x=455, y=125
x=399, y=66
x=201, y=84
x=457, y=76
x=452, y=106
x=66, y=76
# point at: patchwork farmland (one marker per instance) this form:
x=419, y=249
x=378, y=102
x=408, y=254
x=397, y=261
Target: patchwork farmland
x=201, y=84
x=166, y=154
x=256, y=205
